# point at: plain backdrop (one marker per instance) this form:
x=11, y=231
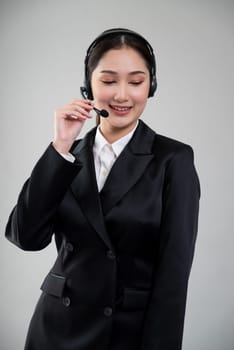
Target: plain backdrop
x=43, y=45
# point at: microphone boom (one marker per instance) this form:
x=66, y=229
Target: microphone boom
x=103, y=113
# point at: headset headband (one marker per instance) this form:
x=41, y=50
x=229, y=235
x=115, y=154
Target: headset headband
x=121, y=31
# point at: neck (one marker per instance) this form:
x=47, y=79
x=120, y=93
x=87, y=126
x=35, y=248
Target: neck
x=112, y=133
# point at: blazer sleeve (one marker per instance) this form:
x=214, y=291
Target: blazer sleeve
x=31, y=222
x=163, y=328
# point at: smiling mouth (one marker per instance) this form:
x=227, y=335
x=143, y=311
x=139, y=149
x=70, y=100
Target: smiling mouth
x=120, y=109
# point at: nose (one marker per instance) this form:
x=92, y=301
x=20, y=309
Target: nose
x=121, y=94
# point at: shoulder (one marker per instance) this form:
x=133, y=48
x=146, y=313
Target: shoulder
x=178, y=161
x=171, y=148
x=175, y=157
x=165, y=146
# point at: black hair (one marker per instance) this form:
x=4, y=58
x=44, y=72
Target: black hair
x=117, y=41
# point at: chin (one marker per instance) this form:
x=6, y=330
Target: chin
x=121, y=121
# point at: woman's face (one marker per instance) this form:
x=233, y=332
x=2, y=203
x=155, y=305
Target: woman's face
x=120, y=84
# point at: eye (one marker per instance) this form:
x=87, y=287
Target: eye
x=108, y=82
x=136, y=82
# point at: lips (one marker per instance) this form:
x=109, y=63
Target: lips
x=120, y=109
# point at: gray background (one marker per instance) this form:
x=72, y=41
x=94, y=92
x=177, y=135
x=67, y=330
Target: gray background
x=43, y=44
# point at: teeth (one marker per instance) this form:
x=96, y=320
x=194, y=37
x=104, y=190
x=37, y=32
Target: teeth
x=121, y=108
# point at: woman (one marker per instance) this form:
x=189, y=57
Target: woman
x=122, y=204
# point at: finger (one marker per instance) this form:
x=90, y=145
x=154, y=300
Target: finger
x=74, y=114
x=81, y=109
x=84, y=102
x=72, y=110
x=84, y=108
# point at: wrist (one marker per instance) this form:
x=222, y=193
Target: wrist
x=62, y=147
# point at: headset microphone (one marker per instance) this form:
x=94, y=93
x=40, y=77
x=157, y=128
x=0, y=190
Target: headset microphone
x=103, y=113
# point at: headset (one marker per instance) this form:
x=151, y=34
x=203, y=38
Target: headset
x=86, y=89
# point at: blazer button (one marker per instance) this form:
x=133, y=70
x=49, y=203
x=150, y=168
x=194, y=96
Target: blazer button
x=66, y=301
x=108, y=311
x=110, y=255
x=69, y=247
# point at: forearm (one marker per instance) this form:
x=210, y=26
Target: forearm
x=31, y=222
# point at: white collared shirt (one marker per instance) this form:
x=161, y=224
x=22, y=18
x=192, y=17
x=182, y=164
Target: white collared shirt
x=105, y=154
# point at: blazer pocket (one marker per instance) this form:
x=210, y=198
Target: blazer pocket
x=134, y=299
x=54, y=284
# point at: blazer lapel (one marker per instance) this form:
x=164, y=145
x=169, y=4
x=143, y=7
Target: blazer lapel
x=85, y=188
x=129, y=167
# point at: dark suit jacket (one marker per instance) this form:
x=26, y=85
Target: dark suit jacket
x=124, y=255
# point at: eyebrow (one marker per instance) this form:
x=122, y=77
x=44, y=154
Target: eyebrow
x=115, y=73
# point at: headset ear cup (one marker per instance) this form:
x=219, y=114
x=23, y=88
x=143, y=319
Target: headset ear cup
x=153, y=86
x=88, y=90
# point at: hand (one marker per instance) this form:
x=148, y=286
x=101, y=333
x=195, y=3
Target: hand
x=68, y=122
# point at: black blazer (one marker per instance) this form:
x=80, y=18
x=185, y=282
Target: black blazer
x=124, y=255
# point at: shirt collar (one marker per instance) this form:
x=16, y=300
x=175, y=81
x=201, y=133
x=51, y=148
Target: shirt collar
x=117, y=146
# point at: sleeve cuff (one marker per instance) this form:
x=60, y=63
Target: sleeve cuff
x=69, y=157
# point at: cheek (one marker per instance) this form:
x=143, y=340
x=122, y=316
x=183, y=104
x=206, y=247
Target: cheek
x=102, y=95
x=140, y=94
x=100, y=92
x=140, y=97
